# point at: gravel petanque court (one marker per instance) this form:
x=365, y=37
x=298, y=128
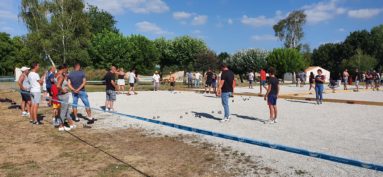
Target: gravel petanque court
x=352, y=131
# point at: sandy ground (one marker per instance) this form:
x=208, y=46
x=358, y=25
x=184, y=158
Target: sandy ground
x=345, y=130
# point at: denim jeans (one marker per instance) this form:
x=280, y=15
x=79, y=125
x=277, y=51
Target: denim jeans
x=225, y=102
x=196, y=83
x=84, y=98
x=319, y=91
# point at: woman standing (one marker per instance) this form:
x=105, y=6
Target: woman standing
x=319, y=80
x=121, y=80
x=64, y=95
x=311, y=81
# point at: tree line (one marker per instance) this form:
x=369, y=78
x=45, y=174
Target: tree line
x=66, y=32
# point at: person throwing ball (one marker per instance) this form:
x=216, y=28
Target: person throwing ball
x=272, y=95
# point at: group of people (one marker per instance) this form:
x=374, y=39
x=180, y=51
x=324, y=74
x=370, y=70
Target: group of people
x=60, y=85
x=262, y=80
x=194, y=80
x=372, y=79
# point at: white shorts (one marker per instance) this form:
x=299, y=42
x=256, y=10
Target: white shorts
x=36, y=97
x=121, y=82
x=357, y=83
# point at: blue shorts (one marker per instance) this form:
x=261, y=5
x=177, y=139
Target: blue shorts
x=272, y=100
x=263, y=83
x=84, y=98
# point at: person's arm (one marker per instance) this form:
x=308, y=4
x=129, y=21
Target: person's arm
x=70, y=85
x=234, y=84
x=20, y=82
x=59, y=84
x=81, y=86
x=114, y=84
x=41, y=80
x=219, y=90
x=268, y=91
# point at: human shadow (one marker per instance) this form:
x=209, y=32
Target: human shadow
x=14, y=107
x=40, y=117
x=250, y=118
x=205, y=115
x=299, y=101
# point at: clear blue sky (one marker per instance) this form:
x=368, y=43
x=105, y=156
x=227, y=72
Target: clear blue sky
x=226, y=25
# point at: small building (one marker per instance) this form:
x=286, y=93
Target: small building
x=314, y=69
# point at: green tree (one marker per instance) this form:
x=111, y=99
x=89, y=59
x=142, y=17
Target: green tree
x=377, y=46
x=100, y=20
x=360, y=61
x=329, y=56
x=186, y=50
x=143, y=54
x=6, y=53
x=286, y=60
x=206, y=60
x=109, y=48
x=290, y=29
x=59, y=28
x=166, y=55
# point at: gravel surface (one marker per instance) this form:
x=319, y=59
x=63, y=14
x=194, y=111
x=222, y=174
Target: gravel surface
x=345, y=130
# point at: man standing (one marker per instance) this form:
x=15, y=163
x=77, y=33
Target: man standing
x=358, y=79
x=272, y=95
x=197, y=79
x=110, y=89
x=25, y=94
x=132, y=80
x=251, y=80
x=345, y=78
x=36, y=83
x=156, y=81
x=77, y=82
x=209, y=80
x=48, y=81
x=262, y=81
x=190, y=79
x=226, y=89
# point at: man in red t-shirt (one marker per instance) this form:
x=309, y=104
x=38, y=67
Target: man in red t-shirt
x=262, y=82
x=55, y=104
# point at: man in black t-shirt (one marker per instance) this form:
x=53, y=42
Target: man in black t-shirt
x=209, y=80
x=226, y=89
x=272, y=95
x=111, y=88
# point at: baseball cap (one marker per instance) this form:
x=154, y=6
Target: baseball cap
x=24, y=68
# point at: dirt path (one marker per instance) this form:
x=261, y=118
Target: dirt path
x=30, y=150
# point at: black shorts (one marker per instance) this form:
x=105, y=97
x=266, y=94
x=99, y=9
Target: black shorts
x=131, y=84
x=25, y=96
x=208, y=83
x=172, y=84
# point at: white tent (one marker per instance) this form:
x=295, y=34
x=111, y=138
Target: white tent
x=17, y=74
x=314, y=69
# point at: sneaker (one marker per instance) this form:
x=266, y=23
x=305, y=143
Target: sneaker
x=23, y=114
x=224, y=119
x=271, y=122
x=91, y=121
x=320, y=101
x=73, y=126
x=66, y=128
x=61, y=129
x=76, y=119
x=275, y=121
x=38, y=123
x=28, y=115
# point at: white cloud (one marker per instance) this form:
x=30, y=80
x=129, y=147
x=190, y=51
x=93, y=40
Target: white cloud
x=364, y=13
x=136, y=6
x=181, y=15
x=322, y=11
x=341, y=30
x=266, y=37
x=147, y=27
x=262, y=20
x=230, y=21
x=199, y=20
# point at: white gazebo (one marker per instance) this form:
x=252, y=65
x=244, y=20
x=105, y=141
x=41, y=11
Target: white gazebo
x=314, y=69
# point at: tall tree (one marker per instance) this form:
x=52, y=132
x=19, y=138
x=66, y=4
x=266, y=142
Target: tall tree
x=290, y=29
x=143, y=54
x=329, y=56
x=360, y=61
x=286, y=60
x=60, y=28
x=205, y=60
x=100, y=20
x=166, y=55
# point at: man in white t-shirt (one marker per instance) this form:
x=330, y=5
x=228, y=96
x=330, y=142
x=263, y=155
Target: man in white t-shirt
x=35, y=83
x=251, y=79
x=197, y=79
x=132, y=80
x=156, y=81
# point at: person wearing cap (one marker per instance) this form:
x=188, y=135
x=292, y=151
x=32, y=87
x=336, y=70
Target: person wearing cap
x=156, y=81
x=25, y=94
x=36, y=82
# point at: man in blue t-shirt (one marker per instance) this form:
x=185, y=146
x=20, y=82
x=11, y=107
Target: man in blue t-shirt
x=77, y=82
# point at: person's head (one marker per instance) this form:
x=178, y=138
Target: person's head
x=155, y=72
x=311, y=73
x=121, y=69
x=272, y=71
x=319, y=71
x=209, y=70
x=52, y=69
x=77, y=66
x=346, y=70
x=224, y=66
x=133, y=71
x=24, y=69
x=356, y=70
x=113, y=69
x=35, y=66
